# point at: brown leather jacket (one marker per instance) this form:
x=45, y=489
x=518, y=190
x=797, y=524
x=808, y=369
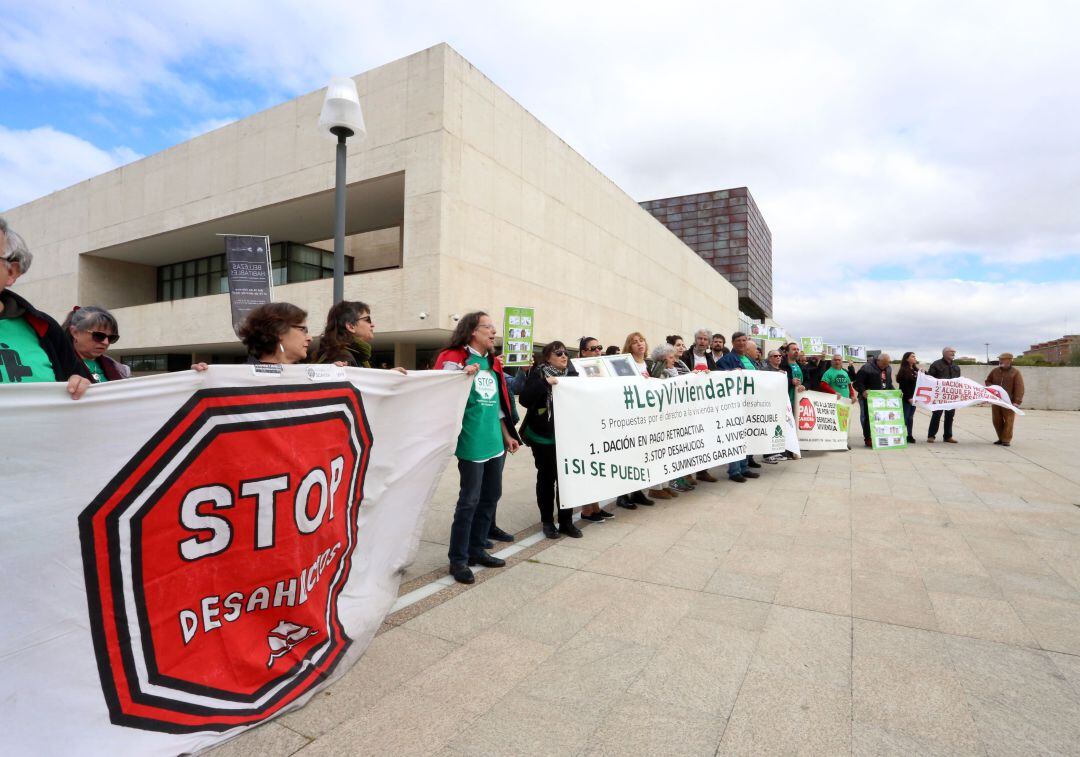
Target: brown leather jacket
x=1008, y=379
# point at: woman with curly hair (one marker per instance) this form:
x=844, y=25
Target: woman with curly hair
x=276, y=333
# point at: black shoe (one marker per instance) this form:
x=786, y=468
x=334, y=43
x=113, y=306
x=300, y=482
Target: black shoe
x=570, y=530
x=498, y=534
x=754, y=464
x=462, y=574
x=489, y=544
x=488, y=561
x=639, y=498
x=751, y=474
x=737, y=478
x=605, y=514
x=593, y=518
x=1005, y=444
x=997, y=442
x=911, y=440
x=623, y=501
x=550, y=531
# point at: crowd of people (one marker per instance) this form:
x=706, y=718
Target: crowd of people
x=34, y=347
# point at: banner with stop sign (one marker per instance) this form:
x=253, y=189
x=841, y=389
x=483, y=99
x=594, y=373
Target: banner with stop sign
x=188, y=555
x=822, y=420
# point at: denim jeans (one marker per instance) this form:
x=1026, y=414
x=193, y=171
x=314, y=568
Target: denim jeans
x=738, y=467
x=481, y=487
x=909, y=418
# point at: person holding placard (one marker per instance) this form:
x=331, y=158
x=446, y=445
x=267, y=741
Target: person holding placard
x=875, y=374
x=487, y=434
x=93, y=330
x=589, y=347
x=907, y=377
x=635, y=346
x=945, y=368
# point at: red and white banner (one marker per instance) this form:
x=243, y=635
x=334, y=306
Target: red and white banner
x=823, y=420
x=946, y=394
x=188, y=555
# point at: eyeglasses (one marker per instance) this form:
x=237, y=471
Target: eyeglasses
x=559, y=353
x=366, y=318
x=594, y=348
x=98, y=336
x=301, y=328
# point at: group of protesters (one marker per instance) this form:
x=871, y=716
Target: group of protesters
x=34, y=347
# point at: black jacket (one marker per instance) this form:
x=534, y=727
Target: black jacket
x=869, y=377
x=688, y=359
x=907, y=383
x=56, y=344
x=534, y=397
x=940, y=369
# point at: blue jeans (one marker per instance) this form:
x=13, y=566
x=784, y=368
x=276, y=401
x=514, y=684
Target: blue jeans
x=909, y=417
x=738, y=467
x=481, y=487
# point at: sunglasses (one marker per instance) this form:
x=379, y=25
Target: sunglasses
x=101, y=337
x=595, y=348
x=559, y=353
x=301, y=328
x=366, y=318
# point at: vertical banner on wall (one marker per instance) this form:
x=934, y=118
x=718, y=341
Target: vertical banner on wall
x=886, y=410
x=812, y=345
x=518, y=332
x=251, y=281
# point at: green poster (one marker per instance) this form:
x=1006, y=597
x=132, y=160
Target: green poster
x=518, y=336
x=886, y=410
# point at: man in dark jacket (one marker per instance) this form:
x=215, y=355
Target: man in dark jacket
x=943, y=369
x=698, y=357
x=876, y=374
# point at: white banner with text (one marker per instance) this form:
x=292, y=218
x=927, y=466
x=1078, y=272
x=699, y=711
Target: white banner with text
x=188, y=555
x=822, y=420
x=947, y=394
x=615, y=435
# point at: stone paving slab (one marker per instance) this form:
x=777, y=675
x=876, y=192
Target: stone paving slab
x=924, y=601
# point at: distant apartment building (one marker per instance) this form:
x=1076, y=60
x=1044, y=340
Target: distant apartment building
x=1056, y=350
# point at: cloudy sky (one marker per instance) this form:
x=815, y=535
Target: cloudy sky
x=918, y=163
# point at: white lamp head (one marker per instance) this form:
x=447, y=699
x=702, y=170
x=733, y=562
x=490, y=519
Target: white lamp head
x=341, y=114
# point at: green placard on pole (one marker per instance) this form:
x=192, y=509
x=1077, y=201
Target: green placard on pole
x=812, y=345
x=885, y=408
x=518, y=329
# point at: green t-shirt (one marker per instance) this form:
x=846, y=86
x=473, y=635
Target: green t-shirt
x=21, y=356
x=747, y=363
x=839, y=380
x=481, y=429
x=96, y=371
x=796, y=372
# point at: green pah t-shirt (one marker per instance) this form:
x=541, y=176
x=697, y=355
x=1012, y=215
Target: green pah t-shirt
x=839, y=380
x=96, y=370
x=481, y=429
x=796, y=372
x=21, y=357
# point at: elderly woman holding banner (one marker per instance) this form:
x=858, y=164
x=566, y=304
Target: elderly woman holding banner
x=35, y=348
x=665, y=365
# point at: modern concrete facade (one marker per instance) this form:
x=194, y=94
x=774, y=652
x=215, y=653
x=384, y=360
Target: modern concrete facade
x=458, y=199
x=727, y=230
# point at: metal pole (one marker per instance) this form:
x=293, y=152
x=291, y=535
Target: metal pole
x=339, y=221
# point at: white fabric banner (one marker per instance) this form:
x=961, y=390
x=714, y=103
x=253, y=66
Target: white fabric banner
x=823, y=420
x=187, y=555
x=615, y=435
x=946, y=394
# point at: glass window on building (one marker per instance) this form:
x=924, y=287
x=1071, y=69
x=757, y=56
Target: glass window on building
x=290, y=263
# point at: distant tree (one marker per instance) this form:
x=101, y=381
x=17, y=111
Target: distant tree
x=1074, y=355
x=1034, y=359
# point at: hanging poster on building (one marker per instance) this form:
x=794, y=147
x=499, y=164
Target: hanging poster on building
x=812, y=345
x=885, y=408
x=615, y=435
x=251, y=278
x=231, y=551
x=856, y=352
x=518, y=330
x=822, y=421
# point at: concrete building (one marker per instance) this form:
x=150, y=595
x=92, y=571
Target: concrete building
x=727, y=230
x=458, y=199
x=1056, y=351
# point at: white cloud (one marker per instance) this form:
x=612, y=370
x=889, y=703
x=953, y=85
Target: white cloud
x=35, y=162
x=871, y=134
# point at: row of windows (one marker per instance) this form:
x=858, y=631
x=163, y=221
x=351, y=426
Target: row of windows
x=290, y=263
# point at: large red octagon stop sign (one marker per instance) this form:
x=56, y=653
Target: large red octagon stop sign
x=215, y=558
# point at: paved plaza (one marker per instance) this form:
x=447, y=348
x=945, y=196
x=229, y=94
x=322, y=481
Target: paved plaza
x=924, y=601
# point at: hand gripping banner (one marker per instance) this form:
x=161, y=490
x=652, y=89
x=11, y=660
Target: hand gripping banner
x=188, y=555
x=946, y=394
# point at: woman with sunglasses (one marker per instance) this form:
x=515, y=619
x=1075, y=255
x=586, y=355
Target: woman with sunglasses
x=93, y=330
x=538, y=432
x=590, y=347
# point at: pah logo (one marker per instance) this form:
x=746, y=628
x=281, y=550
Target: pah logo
x=807, y=414
x=231, y=530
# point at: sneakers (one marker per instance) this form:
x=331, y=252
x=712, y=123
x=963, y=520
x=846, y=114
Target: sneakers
x=550, y=531
x=593, y=518
x=605, y=514
x=773, y=459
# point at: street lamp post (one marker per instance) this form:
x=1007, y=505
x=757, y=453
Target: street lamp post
x=340, y=118
x=987, y=352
